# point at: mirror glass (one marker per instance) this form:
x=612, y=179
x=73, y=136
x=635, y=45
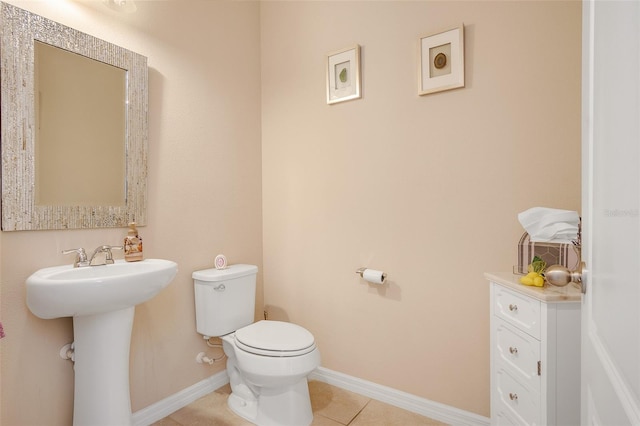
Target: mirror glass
x=73, y=127
x=80, y=129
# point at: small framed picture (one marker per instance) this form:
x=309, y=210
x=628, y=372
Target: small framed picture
x=441, y=61
x=343, y=75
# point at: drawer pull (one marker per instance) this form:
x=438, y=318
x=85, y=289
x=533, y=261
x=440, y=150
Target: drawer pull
x=513, y=396
x=513, y=308
x=513, y=350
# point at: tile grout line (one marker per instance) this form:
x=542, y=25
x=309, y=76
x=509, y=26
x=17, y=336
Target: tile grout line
x=358, y=413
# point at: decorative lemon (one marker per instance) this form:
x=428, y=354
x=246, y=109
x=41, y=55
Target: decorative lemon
x=538, y=281
x=535, y=276
x=526, y=280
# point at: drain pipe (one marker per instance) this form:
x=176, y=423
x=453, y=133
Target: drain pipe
x=68, y=352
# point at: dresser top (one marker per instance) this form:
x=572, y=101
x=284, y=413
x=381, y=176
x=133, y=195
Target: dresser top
x=548, y=293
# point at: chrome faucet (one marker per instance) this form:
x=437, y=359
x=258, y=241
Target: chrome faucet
x=82, y=260
x=108, y=256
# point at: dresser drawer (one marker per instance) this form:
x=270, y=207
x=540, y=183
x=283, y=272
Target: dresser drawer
x=519, y=310
x=503, y=417
x=521, y=404
x=519, y=352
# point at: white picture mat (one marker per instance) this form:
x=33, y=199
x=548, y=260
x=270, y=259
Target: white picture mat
x=429, y=84
x=338, y=91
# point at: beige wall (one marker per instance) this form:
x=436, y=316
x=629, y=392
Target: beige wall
x=204, y=199
x=425, y=188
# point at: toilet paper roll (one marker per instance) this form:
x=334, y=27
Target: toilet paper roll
x=373, y=276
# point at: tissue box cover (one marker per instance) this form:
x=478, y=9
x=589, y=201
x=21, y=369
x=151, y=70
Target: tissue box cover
x=567, y=255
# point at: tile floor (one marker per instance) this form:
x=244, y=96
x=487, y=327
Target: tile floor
x=332, y=406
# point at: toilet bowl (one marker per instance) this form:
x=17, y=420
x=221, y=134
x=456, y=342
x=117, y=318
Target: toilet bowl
x=268, y=361
x=268, y=364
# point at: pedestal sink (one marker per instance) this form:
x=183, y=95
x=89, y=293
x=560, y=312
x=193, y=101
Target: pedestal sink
x=101, y=300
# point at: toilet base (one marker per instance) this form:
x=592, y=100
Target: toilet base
x=288, y=406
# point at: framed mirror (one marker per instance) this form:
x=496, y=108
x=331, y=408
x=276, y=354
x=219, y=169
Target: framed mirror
x=73, y=127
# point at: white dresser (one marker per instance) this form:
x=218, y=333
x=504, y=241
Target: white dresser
x=535, y=353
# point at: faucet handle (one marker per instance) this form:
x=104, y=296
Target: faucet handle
x=81, y=256
x=109, y=255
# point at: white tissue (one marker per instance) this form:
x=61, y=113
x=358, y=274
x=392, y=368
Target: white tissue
x=373, y=276
x=550, y=225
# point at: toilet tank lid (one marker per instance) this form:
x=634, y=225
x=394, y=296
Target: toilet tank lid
x=230, y=272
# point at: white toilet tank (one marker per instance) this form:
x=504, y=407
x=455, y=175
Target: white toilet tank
x=225, y=299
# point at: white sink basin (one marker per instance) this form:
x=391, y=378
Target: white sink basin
x=65, y=291
x=101, y=300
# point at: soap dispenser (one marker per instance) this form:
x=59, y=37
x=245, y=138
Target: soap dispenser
x=132, y=244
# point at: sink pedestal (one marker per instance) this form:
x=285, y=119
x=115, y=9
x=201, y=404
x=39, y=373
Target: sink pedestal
x=101, y=346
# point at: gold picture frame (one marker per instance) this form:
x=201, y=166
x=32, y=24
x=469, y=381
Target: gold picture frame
x=441, y=64
x=343, y=75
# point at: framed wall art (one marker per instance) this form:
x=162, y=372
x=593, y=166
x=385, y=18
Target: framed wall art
x=441, y=65
x=343, y=75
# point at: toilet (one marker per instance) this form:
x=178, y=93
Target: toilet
x=268, y=361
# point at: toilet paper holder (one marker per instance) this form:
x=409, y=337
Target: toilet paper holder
x=360, y=271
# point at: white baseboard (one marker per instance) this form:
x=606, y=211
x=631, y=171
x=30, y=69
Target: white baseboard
x=173, y=403
x=406, y=401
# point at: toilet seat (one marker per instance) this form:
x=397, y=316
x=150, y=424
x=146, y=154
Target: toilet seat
x=275, y=338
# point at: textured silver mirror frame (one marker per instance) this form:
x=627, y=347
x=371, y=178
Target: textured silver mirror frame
x=18, y=30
